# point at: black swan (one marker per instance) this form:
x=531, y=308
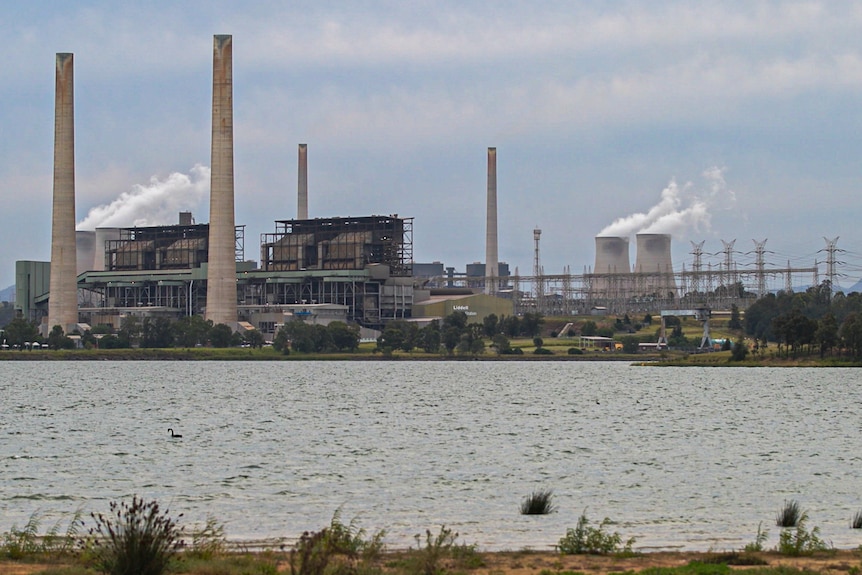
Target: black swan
x=171, y=431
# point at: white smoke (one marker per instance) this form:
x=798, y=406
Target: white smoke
x=155, y=204
x=680, y=208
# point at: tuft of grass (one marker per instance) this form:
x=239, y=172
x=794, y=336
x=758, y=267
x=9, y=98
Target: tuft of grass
x=20, y=543
x=539, y=502
x=757, y=544
x=585, y=539
x=800, y=541
x=208, y=541
x=789, y=515
x=856, y=521
x=136, y=538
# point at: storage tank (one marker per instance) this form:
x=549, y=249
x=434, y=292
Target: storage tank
x=654, y=264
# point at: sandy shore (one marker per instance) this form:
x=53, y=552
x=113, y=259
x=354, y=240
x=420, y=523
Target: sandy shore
x=533, y=563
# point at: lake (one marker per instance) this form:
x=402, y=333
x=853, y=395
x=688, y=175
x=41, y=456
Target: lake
x=680, y=458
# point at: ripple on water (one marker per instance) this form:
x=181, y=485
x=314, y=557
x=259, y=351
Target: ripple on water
x=690, y=458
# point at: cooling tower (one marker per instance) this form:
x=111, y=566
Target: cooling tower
x=85, y=248
x=302, y=184
x=63, y=302
x=612, y=255
x=221, y=270
x=612, y=266
x=492, y=271
x=654, y=264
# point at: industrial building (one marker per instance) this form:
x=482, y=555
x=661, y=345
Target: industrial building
x=357, y=269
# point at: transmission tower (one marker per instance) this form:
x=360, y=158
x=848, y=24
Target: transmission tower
x=759, y=250
x=831, y=250
x=697, y=268
x=537, y=270
x=788, y=280
x=728, y=261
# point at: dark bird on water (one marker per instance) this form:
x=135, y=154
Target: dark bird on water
x=171, y=431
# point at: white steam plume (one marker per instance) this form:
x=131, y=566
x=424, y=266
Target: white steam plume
x=155, y=204
x=680, y=209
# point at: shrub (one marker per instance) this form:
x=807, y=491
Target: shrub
x=800, y=541
x=575, y=351
x=585, y=539
x=133, y=539
x=339, y=544
x=437, y=547
x=789, y=515
x=539, y=503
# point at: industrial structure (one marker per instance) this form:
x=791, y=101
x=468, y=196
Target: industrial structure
x=357, y=269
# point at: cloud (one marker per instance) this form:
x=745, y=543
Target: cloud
x=154, y=204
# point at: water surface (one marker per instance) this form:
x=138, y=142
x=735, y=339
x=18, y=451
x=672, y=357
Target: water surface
x=681, y=458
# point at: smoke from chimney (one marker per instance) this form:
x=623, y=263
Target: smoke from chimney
x=679, y=209
x=153, y=204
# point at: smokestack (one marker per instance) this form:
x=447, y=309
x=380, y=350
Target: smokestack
x=63, y=302
x=302, y=188
x=221, y=269
x=655, y=264
x=492, y=270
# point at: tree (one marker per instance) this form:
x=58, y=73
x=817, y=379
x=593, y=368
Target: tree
x=157, y=332
x=734, y=322
x=531, y=324
x=589, y=328
x=491, y=325
x=221, y=335
x=254, y=338
x=851, y=334
x=343, y=337
x=130, y=330
x=826, y=335
x=429, y=338
x=58, y=340
x=19, y=331
x=739, y=351
x=510, y=326
x=501, y=344
x=630, y=344
x=191, y=331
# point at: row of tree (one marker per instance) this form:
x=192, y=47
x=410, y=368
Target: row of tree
x=150, y=332
x=807, y=321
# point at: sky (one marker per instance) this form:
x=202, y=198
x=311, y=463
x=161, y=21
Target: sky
x=712, y=121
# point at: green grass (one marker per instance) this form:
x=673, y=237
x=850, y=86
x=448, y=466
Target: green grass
x=539, y=502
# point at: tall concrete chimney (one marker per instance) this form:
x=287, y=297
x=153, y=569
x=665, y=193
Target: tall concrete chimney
x=492, y=270
x=302, y=187
x=221, y=269
x=63, y=302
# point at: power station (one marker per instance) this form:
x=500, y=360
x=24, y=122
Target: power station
x=356, y=269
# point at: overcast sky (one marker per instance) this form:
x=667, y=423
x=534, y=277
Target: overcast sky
x=708, y=120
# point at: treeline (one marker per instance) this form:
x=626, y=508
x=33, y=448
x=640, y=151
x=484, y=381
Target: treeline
x=455, y=335
x=135, y=332
x=807, y=322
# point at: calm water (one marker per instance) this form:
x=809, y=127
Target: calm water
x=681, y=458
